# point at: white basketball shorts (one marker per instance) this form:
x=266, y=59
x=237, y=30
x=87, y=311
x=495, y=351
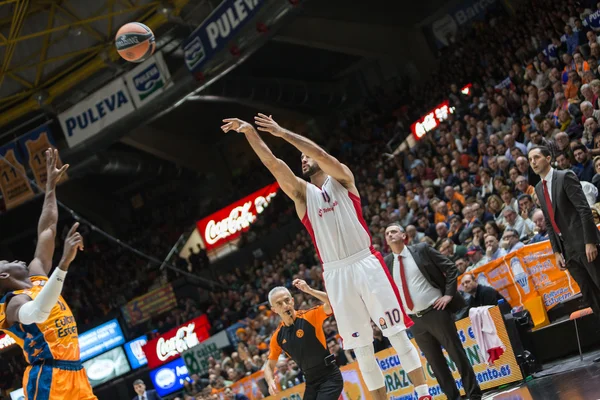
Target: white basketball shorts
x=360, y=289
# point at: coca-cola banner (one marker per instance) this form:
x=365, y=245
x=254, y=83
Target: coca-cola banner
x=151, y=304
x=228, y=223
x=170, y=345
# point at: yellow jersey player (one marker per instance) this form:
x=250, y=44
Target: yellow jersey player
x=35, y=315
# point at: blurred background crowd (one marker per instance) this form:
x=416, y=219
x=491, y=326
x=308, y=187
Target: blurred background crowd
x=465, y=188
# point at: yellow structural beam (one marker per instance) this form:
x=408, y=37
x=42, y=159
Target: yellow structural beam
x=44, y=53
x=71, y=80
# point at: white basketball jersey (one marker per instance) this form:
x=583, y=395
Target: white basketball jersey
x=334, y=221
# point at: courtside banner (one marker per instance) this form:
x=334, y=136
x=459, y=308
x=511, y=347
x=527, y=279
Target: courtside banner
x=217, y=30
x=228, y=223
x=526, y=274
x=14, y=183
x=504, y=370
x=148, y=80
x=102, y=108
x=147, y=306
x=33, y=146
x=172, y=344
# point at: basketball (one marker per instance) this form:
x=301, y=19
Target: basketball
x=135, y=42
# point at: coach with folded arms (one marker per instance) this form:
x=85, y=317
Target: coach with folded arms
x=427, y=286
x=569, y=223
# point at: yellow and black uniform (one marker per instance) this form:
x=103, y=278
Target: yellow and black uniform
x=304, y=342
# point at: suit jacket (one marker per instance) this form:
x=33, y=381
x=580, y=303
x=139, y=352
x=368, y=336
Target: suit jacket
x=572, y=214
x=150, y=395
x=439, y=271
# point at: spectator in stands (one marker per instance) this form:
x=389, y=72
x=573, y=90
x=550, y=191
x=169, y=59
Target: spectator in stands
x=540, y=223
x=493, y=250
x=142, y=394
x=511, y=240
x=584, y=163
x=524, y=227
x=451, y=250
x=334, y=348
x=476, y=257
x=380, y=342
x=481, y=295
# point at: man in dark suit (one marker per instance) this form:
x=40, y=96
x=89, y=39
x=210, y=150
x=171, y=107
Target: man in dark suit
x=569, y=223
x=427, y=285
x=481, y=295
x=142, y=394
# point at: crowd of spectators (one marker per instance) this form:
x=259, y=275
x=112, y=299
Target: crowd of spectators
x=466, y=188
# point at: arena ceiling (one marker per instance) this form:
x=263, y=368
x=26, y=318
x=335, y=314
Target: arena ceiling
x=56, y=52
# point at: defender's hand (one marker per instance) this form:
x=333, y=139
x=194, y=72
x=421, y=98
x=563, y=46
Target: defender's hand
x=73, y=243
x=236, y=124
x=560, y=261
x=591, y=251
x=54, y=174
x=273, y=388
x=267, y=124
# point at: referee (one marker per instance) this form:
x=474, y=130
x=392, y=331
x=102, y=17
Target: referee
x=300, y=335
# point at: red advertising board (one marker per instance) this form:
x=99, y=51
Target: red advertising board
x=432, y=119
x=228, y=223
x=170, y=345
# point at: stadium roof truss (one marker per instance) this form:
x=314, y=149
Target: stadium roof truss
x=49, y=46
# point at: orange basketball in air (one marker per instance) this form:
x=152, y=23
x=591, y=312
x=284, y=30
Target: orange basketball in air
x=135, y=42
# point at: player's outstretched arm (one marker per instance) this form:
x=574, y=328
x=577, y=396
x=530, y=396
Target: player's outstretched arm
x=328, y=163
x=293, y=186
x=322, y=296
x=42, y=261
x=26, y=311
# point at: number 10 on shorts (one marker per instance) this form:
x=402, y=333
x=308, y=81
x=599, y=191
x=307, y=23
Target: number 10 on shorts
x=393, y=316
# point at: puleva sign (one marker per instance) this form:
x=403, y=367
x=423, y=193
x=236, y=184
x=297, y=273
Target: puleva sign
x=88, y=117
x=217, y=30
x=148, y=80
x=228, y=223
x=169, y=346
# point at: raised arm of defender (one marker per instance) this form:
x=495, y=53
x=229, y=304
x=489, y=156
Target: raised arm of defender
x=328, y=163
x=42, y=261
x=293, y=186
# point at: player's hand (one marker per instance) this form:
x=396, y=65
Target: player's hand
x=236, y=124
x=388, y=156
x=591, y=251
x=54, y=174
x=560, y=261
x=267, y=124
x=442, y=302
x=73, y=243
x=301, y=285
x=273, y=388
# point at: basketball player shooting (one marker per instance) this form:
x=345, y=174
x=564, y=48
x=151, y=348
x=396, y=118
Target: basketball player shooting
x=35, y=315
x=357, y=281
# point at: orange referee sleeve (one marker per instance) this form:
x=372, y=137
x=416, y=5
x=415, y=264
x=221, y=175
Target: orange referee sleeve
x=275, y=349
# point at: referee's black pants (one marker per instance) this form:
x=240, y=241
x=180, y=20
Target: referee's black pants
x=326, y=387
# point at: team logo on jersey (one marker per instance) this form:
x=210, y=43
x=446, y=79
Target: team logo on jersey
x=382, y=323
x=328, y=209
x=300, y=333
x=355, y=334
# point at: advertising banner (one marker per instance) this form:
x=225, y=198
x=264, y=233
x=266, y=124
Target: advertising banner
x=527, y=273
x=102, y=108
x=217, y=30
x=170, y=345
x=170, y=377
x=148, y=80
x=431, y=120
x=33, y=146
x=135, y=352
x=100, y=339
x=459, y=17
x=505, y=370
x=196, y=358
x=107, y=366
x=14, y=183
x=228, y=223
x=152, y=304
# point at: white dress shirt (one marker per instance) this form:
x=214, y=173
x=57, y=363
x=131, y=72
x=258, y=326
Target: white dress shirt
x=548, y=179
x=422, y=293
x=144, y=396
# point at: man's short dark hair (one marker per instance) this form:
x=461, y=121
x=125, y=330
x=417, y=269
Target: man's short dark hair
x=525, y=196
x=471, y=275
x=580, y=147
x=513, y=231
x=543, y=149
x=138, y=382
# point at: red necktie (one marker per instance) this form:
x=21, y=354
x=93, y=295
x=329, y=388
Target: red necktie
x=550, y=209
x=407, y=298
